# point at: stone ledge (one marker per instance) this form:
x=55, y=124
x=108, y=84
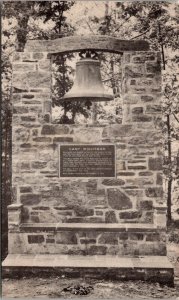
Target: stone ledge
x=153, y=268
x=15, y=206
x=127, y=227
x=91, y=42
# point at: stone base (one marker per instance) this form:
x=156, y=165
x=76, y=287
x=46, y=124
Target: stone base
x=147, y=268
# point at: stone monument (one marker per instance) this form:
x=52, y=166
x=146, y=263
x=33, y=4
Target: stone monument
x=88, y=199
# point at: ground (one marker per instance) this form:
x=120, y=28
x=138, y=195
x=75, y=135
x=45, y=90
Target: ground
x=53, y=288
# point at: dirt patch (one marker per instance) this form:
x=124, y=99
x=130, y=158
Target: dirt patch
x=56, y=288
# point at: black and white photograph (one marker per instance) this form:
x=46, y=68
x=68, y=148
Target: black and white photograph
x=90, y=149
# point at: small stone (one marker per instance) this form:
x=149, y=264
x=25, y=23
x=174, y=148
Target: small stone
x=155, y=164
x=113, y=182
x=136, y=236
x=83, y=211
x=137, y=110
x=20, y=110
x=62, y=139
x=108, y=238
x=97, y=250
x=159, y=179
x=28, y=96
x=110, y=217
x=87, y=241
x=141, y=118
x=153, y=109
x=123, y=236
x=136, y=167
x=152, y=237
x=118, y=200
x=38, y=55
x=42, y=139
x=39, y=164
x=146, y=204
x=147, y=98
x=26, y=189
x=145, y=173
x=35, y=239
x=66, y=237
x=154, y=192
x=30, y=199
x=129, y=214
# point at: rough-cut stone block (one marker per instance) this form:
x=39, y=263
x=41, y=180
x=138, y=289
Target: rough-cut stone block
x=84, y=135
x=23, y=67
x=28, y=96
x=40, y=208
x=108, y=238
x=123, y=236
x=129, y=214
x=118, y=130
x=110, y=217
x=42, y=139
x=28, y=118
x=153, y=109
x=136, y=236
x=113, y=182
x=155, y=163
x=137, y=167
x=154, y=192
x=87, y=241
x=63, y=139
x=146, y=204
x=20, y=110
x=39, y=164
x=150, y=237
x=35, y=239
x=146, y=173
x=83, y=211
x=141, y=118
x=26, y=189
x=118, y=200
x=38, y=55
x=31, y=79
x=16, y=56
x=137, y=110
x=44, y=65
x=125, y=173
x=147, y=98
x=66, y=237
x=30, y=199
x=97, y=250
x=134, y=71
x=153, y=67
x=54, y=129
x=50, y=241
x=159, y=179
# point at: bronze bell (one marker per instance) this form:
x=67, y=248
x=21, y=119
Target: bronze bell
x=88, y=84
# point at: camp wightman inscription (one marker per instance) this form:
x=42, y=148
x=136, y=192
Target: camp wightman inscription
x=87, y=161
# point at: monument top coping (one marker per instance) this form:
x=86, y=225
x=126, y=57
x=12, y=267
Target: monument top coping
x=91, y=42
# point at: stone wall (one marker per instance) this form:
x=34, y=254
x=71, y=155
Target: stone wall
x=135, y=196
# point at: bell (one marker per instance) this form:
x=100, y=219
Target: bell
x=88, y=84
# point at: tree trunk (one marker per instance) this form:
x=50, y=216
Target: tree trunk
x=170, y=180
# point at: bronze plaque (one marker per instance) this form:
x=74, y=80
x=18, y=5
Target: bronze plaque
x=87, y=161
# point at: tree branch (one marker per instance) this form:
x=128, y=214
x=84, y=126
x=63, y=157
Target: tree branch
x=175, y=117
x=140, y=34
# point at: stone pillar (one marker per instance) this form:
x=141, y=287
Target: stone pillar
x=141, y=93
x=141, y=88
x=31, y=94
